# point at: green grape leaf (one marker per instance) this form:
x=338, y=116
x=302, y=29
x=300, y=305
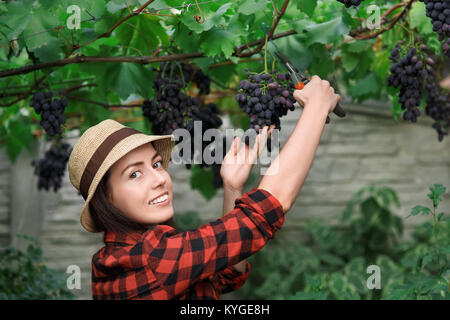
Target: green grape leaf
x=50, y=52
x=418, y=18
x=219, y=41
x=249, y=7
x=115, y=5
x=201, y=180
x=321, y=63
x=307, y=6
x=39, y=30
x=127, y=78
x=367, y=85
x=17, y=19
x=327, y=32
x=187, y=40
x=349, y=61
x=141, y=35
x=212, y=17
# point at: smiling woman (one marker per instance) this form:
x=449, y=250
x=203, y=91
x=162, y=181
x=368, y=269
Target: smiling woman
x=122, y=175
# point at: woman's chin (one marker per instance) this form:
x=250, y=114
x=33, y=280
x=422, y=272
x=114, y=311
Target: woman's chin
x=162, y=214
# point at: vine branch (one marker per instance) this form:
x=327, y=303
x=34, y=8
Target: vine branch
x=356, y=33
x=269, y=35
x=131, y=59
x=108, y=33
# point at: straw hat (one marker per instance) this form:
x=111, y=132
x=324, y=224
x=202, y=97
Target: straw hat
x=98, y=149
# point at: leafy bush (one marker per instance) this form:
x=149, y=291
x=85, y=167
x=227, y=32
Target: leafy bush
x=24, y=276
x=332, y=262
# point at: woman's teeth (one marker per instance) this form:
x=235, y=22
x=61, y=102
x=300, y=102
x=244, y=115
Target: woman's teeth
x=160, y=199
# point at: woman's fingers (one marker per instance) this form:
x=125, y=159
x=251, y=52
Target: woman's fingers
x=249, y=154
x=236, y=145
x=264, y=136
x=256, y=146
x=234, y=148
x=261, y=139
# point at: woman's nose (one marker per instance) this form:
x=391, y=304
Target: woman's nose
x=157, y=178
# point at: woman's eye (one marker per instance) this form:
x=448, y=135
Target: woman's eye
x=132, y=175
x=160, y=163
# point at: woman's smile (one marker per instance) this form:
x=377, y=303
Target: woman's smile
x=161, y=200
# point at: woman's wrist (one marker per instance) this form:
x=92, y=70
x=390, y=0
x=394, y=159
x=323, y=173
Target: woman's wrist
x=229, y=197
x=314, y=108
x=228, y=187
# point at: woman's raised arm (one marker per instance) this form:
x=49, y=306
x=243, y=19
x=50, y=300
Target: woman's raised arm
x=287, y=173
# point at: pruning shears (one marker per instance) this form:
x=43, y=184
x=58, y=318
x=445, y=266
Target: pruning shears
x=298, y=77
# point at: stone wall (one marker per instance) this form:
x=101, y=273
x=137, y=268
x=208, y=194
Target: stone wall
x=362, y=148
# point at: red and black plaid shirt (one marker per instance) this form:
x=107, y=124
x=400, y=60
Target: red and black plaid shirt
x=162, y=263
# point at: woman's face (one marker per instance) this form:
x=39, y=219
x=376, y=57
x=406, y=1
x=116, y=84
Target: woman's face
x=136, y=180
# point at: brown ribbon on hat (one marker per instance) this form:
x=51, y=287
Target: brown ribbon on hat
x=99, y=156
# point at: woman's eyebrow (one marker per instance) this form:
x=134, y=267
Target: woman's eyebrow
x=138, y=163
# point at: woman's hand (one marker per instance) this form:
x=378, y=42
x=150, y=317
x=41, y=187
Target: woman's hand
x=239, y=160
x=317, y=94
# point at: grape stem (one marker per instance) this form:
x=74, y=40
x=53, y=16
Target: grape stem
x=265, y=54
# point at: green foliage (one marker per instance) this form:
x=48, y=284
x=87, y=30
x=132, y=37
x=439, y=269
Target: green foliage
x=202, y=180
x=23, y=275
x=188, y=220
x=332, y=261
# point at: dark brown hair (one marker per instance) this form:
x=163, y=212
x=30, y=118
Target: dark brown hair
x=107, y=217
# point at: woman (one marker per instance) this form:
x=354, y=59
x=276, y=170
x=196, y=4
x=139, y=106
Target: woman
x=122, y=175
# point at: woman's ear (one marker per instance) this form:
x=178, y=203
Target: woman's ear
x=108, y=192
x=109, y=196
x=107, y=186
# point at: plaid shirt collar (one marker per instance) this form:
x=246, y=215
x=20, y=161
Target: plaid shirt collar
x=121, y=238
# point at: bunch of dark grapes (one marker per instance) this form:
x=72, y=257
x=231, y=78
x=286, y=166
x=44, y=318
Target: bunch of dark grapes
x=197, y=76
x=209, y=116
x=171, y=108
x=51, y=168
x=265, y=98
x=438, y=107
x=349, y=3
x=409, y=73
x=415, y=74
x=439, y=13
x=51, y=110
x=187, y=73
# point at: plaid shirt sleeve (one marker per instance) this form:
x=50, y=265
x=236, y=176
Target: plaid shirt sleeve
x=230, y=279
x=179, y=260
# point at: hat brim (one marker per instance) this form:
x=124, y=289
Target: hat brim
x=163, y=145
